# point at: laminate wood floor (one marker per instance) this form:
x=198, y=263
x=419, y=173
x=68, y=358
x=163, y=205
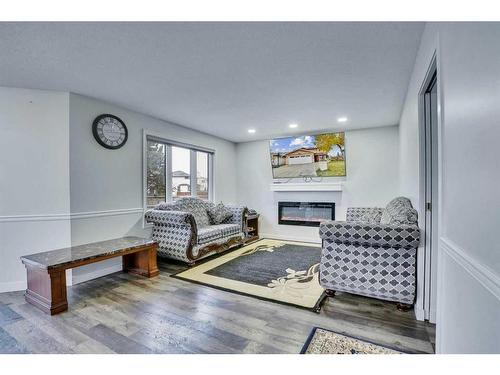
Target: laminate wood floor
x=122, y=313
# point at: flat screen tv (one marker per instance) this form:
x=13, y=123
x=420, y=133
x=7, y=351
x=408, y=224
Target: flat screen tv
x=320, y=155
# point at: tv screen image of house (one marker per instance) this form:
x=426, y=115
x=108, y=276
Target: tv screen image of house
x=320, y=155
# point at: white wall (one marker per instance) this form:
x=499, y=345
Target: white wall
x=469, y=257
x=409, y=153
x=58, y=187
x=104, y=181
x=34, y=178
x=372, y=180
x=408, y=124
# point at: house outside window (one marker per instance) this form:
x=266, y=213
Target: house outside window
x=174, y=170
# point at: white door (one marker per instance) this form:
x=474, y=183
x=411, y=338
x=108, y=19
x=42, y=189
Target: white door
x=300, y=159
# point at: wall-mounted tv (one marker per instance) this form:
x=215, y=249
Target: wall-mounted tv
x=320, y=155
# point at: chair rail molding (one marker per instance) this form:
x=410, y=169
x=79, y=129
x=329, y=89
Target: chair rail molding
x=36, y=217
x=484, y=275
x=70, y=216
x=92, y=214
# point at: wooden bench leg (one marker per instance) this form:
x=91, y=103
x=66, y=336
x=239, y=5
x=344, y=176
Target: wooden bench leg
x=142, y=263
x=47, y=290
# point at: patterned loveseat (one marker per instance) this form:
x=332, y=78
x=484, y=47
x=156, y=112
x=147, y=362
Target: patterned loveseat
x=185, y=231
x=372, y=253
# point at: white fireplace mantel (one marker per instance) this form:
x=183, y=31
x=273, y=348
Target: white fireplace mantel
x=306, y=186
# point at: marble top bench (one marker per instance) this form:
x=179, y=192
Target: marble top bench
x=46, y=272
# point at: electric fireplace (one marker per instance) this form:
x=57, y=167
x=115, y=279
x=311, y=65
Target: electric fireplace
x=305, y=213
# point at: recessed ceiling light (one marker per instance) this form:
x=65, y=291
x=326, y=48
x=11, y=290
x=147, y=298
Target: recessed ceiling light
x=293, y=126
x=342, y=119
x=251, y=131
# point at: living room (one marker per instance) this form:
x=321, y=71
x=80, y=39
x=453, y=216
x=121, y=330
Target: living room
x=249, y=187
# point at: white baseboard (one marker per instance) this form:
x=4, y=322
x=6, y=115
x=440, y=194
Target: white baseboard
x=77, y=279
x=419, y=313
x=275, y=236
x=433, y=316
x=13, y=286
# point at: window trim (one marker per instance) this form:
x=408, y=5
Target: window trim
x=153, y=136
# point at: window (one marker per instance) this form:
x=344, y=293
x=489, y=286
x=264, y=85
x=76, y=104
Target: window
x=156, y=169
x=181, y=172
x=202, y=174
x=175, y=170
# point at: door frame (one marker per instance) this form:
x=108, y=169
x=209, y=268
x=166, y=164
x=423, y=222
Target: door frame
x=426, y=306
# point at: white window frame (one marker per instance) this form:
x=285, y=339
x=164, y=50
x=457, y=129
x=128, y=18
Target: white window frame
x=153, y=136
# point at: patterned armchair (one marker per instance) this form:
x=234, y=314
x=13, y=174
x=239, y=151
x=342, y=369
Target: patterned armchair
x=372, y=253
x=184, y=230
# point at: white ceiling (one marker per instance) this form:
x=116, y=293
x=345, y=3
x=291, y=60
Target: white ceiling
x=223, y=78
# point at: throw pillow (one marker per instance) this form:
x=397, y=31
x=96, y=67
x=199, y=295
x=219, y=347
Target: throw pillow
x=218, y=213
x=371, y=217
x=399, y=211
x=164, y=206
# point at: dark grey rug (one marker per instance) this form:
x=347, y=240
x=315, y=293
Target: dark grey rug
x=273, y=270
x=260, y=266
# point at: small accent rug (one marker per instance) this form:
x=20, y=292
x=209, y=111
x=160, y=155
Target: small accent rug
x=323, y=341
x=278, y=271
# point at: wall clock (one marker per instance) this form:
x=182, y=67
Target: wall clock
x=109, y=131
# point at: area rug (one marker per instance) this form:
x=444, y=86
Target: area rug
x=323, y=341
x=278, y=271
